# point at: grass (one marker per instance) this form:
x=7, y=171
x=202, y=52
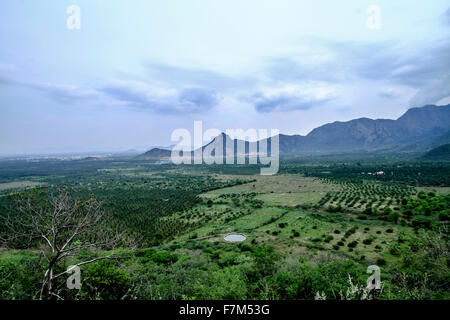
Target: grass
x=288, y=228
x=282, y=189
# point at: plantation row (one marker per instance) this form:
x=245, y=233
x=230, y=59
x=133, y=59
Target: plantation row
x=427, y=210
x=408, y=173
x=140, y=201
x=365, y=194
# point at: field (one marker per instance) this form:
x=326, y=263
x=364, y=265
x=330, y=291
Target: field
x=308, y=228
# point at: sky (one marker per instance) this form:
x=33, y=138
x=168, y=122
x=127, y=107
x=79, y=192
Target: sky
x=134, y=71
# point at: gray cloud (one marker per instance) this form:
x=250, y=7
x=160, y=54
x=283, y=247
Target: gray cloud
x=186, y=100
x=190, y=99
x=198, y=98
x=335, y=63
x=179, y=76
x=426, y=69
x=61, y=93
x=285, y=103
x=7, y=81
x=388, y=94
x=127, y=95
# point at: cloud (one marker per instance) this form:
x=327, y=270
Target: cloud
x=319, y=64
x=182, y=77
x=198, y=98
x=446, y=16
x=426, y=69
x=63, y=93
x=389, y=93
x=286, y=103
x=162, y=100
x=290, y=97
x=6, y=81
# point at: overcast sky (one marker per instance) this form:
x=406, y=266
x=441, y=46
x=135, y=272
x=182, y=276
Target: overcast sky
x=137, y=70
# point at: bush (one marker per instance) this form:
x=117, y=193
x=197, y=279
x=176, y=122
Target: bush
x=265, y=260
x=161, y=257
x=352, y=244
x=20, y=275
x=421, y=221
x=443, y=216
x=394, y=250
x=103, y=280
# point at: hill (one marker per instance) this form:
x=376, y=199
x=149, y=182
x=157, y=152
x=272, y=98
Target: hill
x=417, y=129
x=439, y=153
x=155, y=153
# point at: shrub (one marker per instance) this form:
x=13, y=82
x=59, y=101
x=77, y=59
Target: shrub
x=394, y=250
x=265, y=260
x=352, y=244
x=105, y=281
x=164, y=257
x=443, y=216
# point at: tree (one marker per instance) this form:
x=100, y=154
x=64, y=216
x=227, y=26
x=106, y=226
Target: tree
x=61, y=226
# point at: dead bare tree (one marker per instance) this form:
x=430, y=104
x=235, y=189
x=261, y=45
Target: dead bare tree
x=61, y=227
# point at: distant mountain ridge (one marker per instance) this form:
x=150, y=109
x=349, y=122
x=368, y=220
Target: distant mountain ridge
x=418, y=129
x=364, y=134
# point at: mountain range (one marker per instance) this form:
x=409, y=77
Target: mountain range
x=418, y=129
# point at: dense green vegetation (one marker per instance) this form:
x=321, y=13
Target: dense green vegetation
x=312, y=230
x=408, y=173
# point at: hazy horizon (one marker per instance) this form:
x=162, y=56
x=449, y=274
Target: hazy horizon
x=135, y=72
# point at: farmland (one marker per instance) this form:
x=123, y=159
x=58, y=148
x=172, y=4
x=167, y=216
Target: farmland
x=307, y=229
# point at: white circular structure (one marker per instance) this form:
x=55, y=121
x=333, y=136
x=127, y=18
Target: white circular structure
x=234, y=237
